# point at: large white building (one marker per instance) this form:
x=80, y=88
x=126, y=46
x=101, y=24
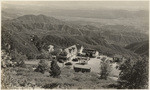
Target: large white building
x=71, y=52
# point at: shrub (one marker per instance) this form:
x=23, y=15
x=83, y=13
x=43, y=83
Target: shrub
x=75, y=60
x=5, y=59
x=68, y=63
x=42, y=66
x=55, y=52
x=40, y=56
x=55, y=69
x=31, y=56
x=51, y=86
x=44, y=55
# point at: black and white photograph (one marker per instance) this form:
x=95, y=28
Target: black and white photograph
x=74, y=44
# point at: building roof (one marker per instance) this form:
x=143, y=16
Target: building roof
x=87, y=50
x=82, y=66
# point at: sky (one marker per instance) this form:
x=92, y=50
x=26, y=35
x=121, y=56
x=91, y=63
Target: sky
x=79, y=5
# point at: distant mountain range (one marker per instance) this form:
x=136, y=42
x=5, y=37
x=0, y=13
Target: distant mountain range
x=17, y=33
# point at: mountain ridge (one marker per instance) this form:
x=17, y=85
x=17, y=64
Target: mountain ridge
x=56, y=33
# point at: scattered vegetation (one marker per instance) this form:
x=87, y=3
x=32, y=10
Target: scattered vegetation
x=13, y=59
x=19, y=58
x=26, y=77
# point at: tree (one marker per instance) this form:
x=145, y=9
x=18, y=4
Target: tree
x=104, y=70
x=55, y=69
x=42, y=66
x=134, y=76
x=37, y=42
x=19, y=58
x=124, y=74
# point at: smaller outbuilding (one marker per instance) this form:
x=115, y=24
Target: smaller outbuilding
x=82, y=68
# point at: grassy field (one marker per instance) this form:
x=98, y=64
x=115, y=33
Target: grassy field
x=26, y=78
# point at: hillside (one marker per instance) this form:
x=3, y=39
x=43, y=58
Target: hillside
x=49, y=30
x=122, y=35
x=141, y=48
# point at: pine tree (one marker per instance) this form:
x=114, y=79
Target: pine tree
x=55, y=69
x=104, y=70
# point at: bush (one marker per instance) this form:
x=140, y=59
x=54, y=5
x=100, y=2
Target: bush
x=42, y=66
x=21, y=64
x=51, y=86
x=55, y=69
x=75, y=60
x=68, y=63
x=31, y=56
x=55, y=52
x=44, y=55
x=5, y=59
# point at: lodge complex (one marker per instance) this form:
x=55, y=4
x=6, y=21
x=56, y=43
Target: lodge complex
x=78, y=57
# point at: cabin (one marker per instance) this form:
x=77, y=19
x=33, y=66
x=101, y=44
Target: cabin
x=90, y=52
x=82, y=68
